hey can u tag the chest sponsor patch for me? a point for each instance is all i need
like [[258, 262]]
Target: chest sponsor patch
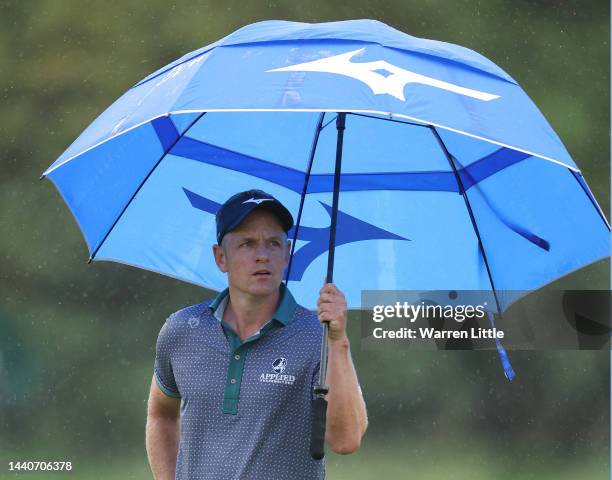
[[278, 374]]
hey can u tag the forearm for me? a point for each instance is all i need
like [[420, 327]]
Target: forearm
[[162, 439], [346, 412]]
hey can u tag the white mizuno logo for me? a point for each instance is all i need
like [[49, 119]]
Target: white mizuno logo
[[366, 72], [257, 200]]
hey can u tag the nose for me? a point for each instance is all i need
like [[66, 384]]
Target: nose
[[261, 254]]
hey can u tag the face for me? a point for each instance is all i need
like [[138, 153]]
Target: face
[[255, 254]]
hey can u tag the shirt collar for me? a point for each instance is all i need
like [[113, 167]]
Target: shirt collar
[[284, 312]]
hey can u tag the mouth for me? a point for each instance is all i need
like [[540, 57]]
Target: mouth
[[262, 273]]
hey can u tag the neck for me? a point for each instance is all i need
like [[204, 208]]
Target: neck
[[246, 314]]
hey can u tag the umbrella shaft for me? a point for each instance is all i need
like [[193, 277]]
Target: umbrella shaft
[[340, 125], [317, 436]]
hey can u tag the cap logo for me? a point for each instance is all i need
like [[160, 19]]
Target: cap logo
[[257, 200]]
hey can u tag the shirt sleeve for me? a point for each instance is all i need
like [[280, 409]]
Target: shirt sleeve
[[164, 374]]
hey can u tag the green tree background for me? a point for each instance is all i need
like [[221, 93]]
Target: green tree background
[[77, 341]]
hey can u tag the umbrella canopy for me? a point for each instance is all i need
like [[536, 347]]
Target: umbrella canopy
[[451, 177]]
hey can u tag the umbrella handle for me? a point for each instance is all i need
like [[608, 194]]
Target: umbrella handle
[[319, 404], [319, 417]]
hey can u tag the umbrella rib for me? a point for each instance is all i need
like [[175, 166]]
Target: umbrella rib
[[462, 191], [503, 356], [587, 191], [313, 148], [328, 122], [166, 151]]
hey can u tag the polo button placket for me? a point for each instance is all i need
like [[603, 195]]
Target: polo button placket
[[238, 349], [234, 378]]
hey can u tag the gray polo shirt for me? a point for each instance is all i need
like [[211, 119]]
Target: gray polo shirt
[[245, 406]]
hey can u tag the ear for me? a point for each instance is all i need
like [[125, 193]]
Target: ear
[[220, 258]]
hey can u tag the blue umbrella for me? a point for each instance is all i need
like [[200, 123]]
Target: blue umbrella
[[447, 175]]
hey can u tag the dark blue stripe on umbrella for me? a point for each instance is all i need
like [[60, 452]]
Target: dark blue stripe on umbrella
[[502, 158], [202, 203], [489, 165], [294, 179], [350, 182], [220, 157], [166, 132], [349, 229]]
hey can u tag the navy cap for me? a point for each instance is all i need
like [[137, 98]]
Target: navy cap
[[238, 206]]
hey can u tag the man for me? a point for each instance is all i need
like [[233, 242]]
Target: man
[[231, 393]]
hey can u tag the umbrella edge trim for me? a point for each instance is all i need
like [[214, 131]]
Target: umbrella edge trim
[[377, 112], [152, 270]]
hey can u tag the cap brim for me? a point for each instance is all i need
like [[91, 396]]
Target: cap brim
[[277, 208]]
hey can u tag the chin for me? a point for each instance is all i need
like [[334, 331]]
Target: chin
[[265, 288]]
